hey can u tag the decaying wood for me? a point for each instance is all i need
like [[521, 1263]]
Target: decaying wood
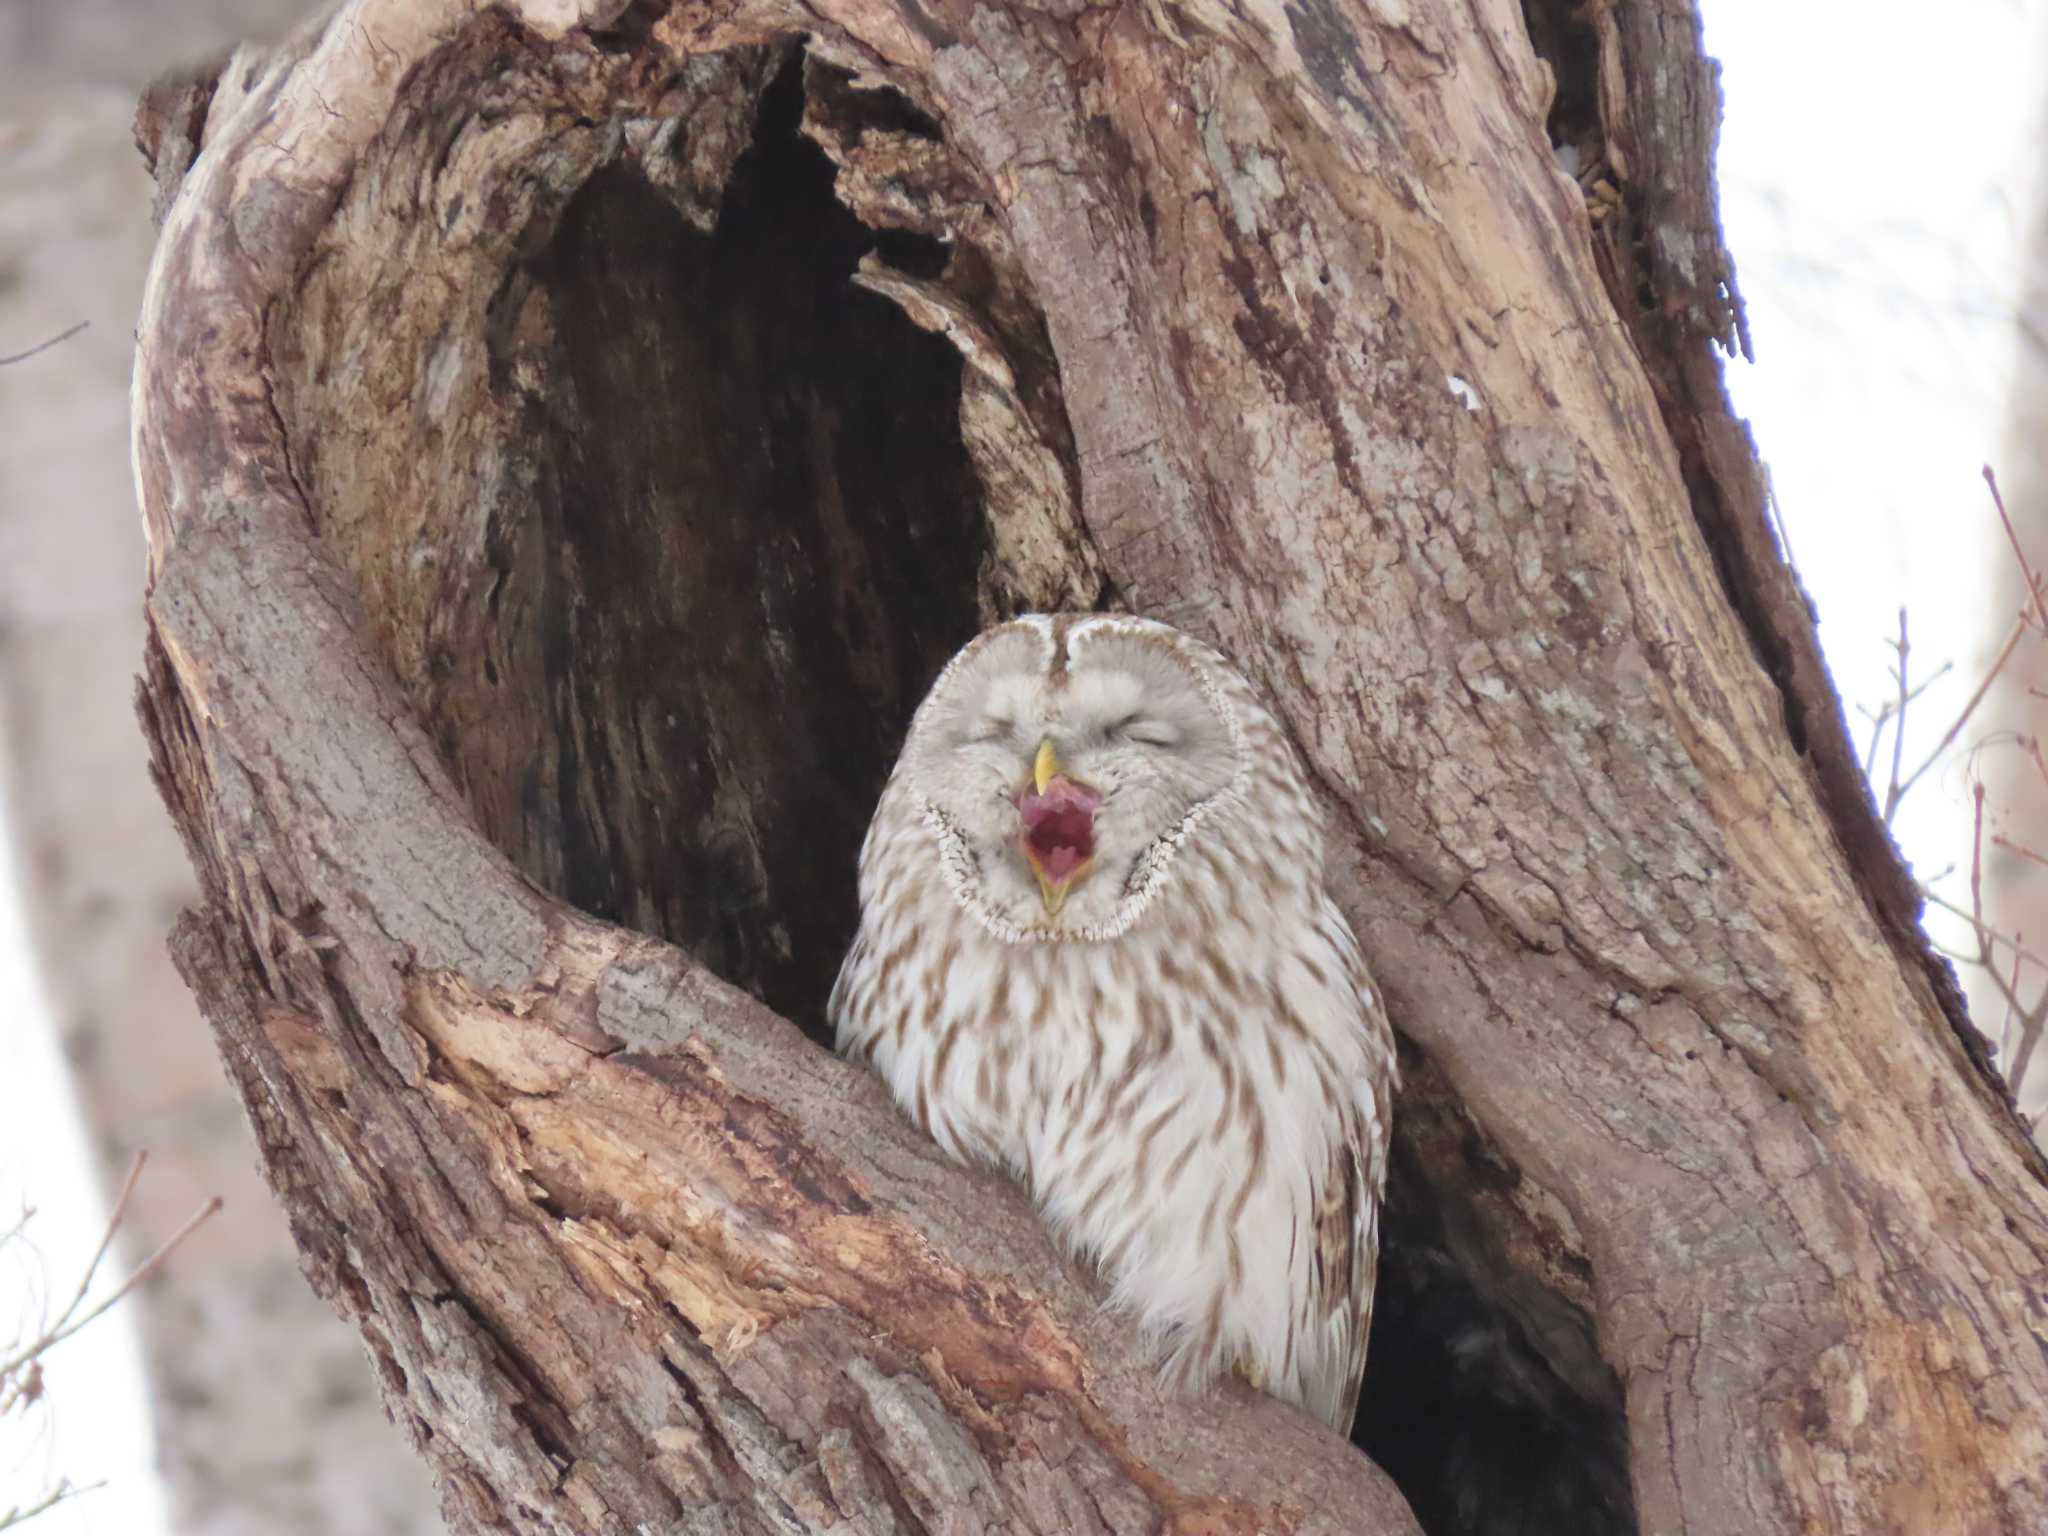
[[570, 437]]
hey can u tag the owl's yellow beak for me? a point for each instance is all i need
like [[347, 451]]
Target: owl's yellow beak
[[1059, 828]]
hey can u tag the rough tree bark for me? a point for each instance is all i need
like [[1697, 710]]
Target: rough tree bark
[[571, 435]]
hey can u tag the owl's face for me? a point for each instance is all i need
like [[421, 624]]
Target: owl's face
[[1062, 763]]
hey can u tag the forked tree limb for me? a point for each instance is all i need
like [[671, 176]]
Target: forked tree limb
[[1282, 324]]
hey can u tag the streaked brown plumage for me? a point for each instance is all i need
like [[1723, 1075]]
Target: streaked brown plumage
[[1096, 948]]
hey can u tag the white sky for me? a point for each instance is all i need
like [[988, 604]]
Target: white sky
[[1877, 206], [95, 1427], [1875, 174]]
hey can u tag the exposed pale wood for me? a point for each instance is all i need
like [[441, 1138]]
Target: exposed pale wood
[[1281, 324]]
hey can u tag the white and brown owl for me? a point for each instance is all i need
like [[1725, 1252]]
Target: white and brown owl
[[1095, 948]]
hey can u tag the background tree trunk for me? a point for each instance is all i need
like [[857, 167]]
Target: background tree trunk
[[2015, 883], [267, 1418], [571, 437]]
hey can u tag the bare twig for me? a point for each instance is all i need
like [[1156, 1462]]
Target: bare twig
[[1893, 710], [10, 1366], [2022, 1028], [2005, 1024], [2018, 552], [2005, 651], [2031, 1027], [2010, 943], [1930, 680], [1893, 794], [2032, 1021], [1977, 862], [114, 1216], [21, 1369], [2000, 840], [1778, 519], [43, 346], [64, 1489], [67, 1326]]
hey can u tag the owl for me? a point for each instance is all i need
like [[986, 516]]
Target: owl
[[1095, 949]]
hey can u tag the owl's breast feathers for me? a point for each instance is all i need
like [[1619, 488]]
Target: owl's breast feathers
[[1199, 1105]]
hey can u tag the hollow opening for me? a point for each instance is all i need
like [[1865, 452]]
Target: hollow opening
[[1565, 38], [720, 529], [1485, 1396], [762, 535]]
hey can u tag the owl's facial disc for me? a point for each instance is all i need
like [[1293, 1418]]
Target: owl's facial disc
[[1057, 838], [1059, 765]]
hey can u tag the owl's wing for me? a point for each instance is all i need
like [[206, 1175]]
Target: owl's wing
[[1347, 1256], [1347, 1204]]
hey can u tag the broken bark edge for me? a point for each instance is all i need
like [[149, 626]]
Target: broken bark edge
[[1669, 273]]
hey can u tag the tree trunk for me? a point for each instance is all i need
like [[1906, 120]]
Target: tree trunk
[[570, 438]]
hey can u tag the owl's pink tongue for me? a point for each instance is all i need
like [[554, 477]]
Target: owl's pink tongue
[[1059, 827]]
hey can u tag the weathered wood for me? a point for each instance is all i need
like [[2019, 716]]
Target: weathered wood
[[558, 500]]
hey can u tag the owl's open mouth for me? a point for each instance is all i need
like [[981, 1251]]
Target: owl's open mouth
[[1059, 828]]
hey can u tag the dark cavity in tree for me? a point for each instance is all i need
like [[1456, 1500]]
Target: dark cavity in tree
[[1565, 39], [767, 534], [1485, 1396]]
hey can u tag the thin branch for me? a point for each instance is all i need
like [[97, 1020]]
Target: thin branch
[[49, 1501], [1877, 723], [13, 1384], [2011, 1016], [1977, 860], [1930, 680], [1984, 932], [143, 1271], [44, 346], [2018, 552], [22, 1369], [2032, 1022], [1894, 794], [2005, 651], [1880, 718], [99, 1254], [66, 1323], [2031, 1027], [2000, 840], [1778, 519]]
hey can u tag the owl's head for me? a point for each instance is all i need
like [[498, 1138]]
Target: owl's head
[[1063, 762]]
